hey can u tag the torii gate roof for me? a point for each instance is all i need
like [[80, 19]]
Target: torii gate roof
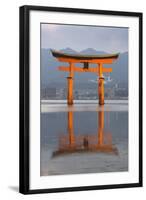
[[60, 54]]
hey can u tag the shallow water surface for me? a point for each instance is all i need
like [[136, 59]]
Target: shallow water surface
[[88, 141]]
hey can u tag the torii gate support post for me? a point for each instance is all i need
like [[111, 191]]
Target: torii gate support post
[[70, 85], [101, 86]]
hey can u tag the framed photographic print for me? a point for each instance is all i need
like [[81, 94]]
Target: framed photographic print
[[80, 99]]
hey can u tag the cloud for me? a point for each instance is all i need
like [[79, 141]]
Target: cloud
[[49, 27], [77, 37]]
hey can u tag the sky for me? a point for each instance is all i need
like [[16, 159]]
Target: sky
[[76, 37]]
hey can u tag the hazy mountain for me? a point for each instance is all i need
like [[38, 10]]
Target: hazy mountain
[[91, 51], [54, 78], [68, 50]]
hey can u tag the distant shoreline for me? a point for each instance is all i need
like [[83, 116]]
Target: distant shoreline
[[44, 101], [79, 105]]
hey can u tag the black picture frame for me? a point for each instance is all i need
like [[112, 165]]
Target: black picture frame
[[24, 147]]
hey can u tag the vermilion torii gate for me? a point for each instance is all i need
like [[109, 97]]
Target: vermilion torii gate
[[85, 59]]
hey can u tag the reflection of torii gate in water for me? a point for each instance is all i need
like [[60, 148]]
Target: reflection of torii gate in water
[[99, 142], [85, 59]]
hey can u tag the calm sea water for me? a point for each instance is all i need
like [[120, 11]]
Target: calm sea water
[[107, 130]]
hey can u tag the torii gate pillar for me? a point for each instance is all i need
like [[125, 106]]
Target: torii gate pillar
[[70, 85], [101, 86], [70, 90], [101, 90]]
